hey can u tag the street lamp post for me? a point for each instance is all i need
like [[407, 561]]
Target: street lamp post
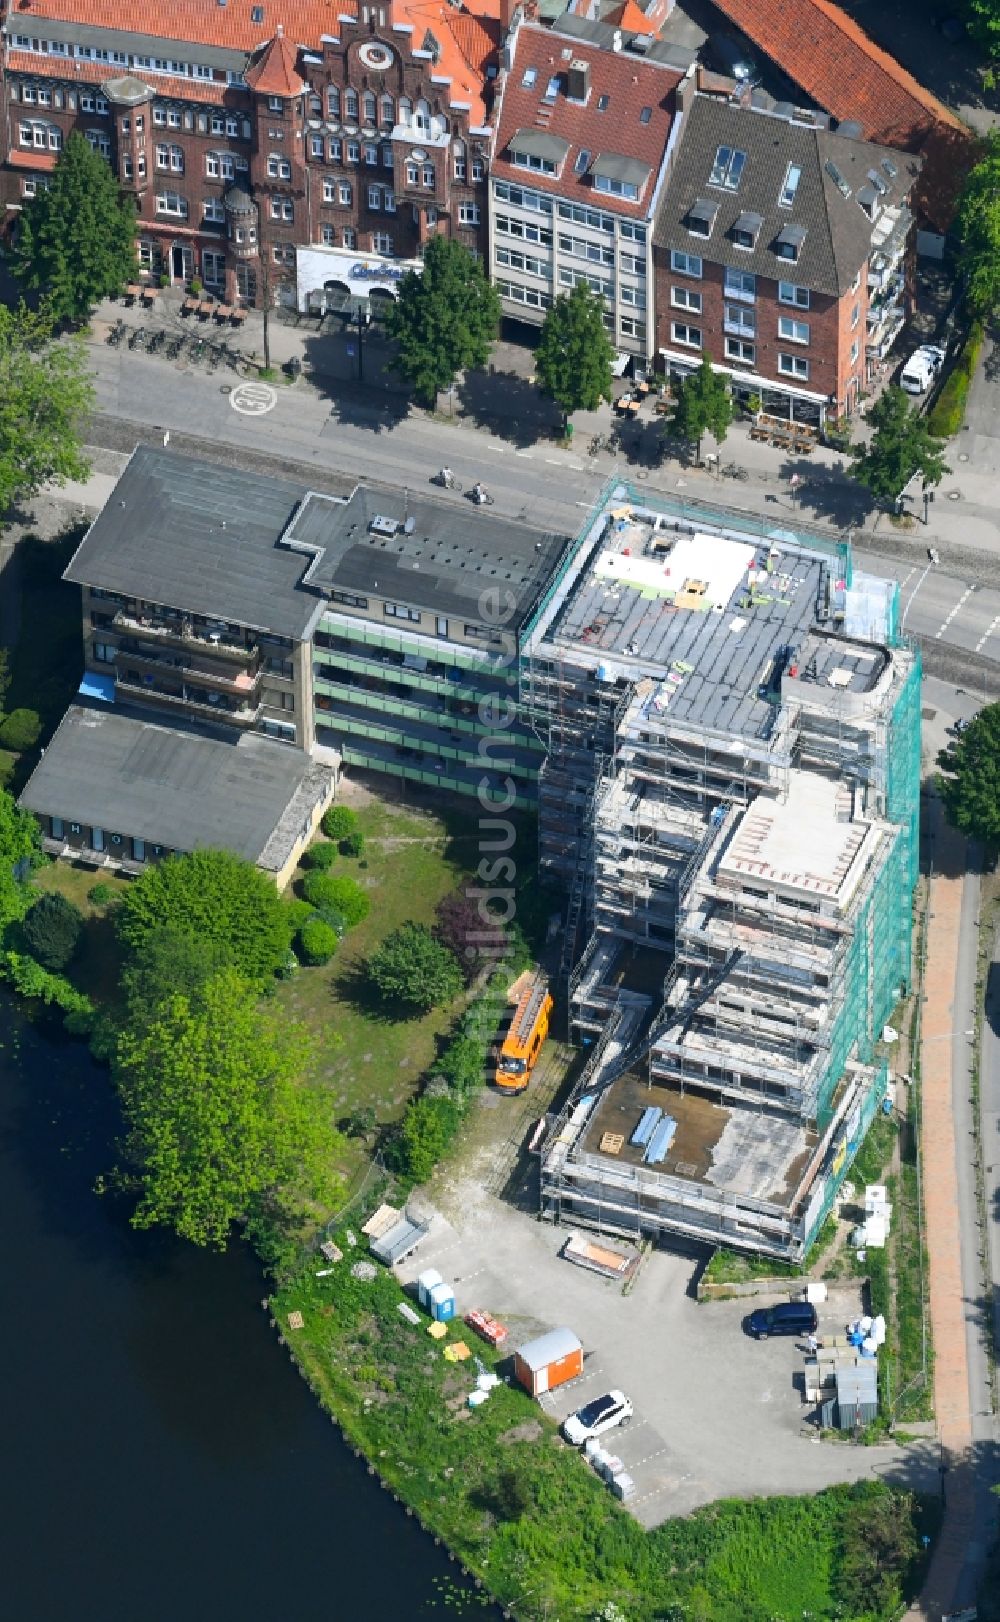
[[928, 498]]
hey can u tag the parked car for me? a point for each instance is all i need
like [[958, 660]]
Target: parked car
[[729, 56], [787, 1318], [921, 369], [603, 1414]]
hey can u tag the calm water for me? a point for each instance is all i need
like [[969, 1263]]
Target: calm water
[[160, 1457]]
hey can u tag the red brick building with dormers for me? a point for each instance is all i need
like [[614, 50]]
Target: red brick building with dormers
[[245, 130]]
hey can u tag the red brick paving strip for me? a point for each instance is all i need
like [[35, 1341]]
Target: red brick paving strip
[[940, 1190]]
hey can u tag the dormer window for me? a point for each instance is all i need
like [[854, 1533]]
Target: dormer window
[[701, 217], [538, 150], [746, 230], [727, 168], [788, 242]]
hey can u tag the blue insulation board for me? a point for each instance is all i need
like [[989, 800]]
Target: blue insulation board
[[647, 1126], [660, 1141]]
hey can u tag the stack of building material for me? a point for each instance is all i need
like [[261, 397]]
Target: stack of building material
[[648, 1122], [658, 1145]]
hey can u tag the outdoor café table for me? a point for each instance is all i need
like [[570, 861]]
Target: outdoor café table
[[206, 308], [223, 312], [133, 291], [149, 294], [191, 306], [238, 317]]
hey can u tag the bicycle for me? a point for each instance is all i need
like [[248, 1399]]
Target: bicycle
[[734, 471], [137, 338]]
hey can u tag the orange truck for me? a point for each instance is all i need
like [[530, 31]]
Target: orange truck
[[523, 1042]]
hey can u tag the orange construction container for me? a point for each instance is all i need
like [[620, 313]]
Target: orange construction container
[[551, 1360]]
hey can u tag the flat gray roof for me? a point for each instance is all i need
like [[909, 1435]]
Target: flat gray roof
[[202, 538], [168, 786], [443, 556]]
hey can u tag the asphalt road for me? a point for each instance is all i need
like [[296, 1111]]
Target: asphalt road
[[955, 618]]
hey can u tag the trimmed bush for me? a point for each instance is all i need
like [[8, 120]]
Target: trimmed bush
[[100, 894], [339, 821], [52, 931], [298, 912], [343, 895], [320, 856], [414, 969], [335, 919], [948, 411], [20, 730], [317, 941], [353, 845]]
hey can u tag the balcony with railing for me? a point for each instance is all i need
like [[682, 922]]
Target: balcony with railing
[[239, 683], [178, 630], [197, 701]]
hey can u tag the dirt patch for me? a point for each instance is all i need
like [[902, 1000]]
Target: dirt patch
[[530, 1431]]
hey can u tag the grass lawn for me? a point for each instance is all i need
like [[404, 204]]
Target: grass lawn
[[367, 1057]]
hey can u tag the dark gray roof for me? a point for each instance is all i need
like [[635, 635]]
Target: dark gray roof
[[129, 40], [435, 555], [202, 538], [838, 232], [614, 166], [165, 785]]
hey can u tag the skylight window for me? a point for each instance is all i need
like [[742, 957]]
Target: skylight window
[[645, 115], [890, 168], [727, 168], [582, 160], [602, 103], [878, 182], [552, 88], [257, 14], [837, 178], [530, 75], [793, 174]]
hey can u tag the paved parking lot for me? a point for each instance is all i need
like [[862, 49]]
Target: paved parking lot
[[716, 1414]]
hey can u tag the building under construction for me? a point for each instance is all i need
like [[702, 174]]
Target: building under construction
[[731, 725]]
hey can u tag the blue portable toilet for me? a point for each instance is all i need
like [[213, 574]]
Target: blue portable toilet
[[441, 1301]]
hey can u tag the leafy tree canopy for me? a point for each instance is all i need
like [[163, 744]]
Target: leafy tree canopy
[[984, 24], [172, 963], [216, 896], [900, 447], [52, 930], [44, 396], [970, 780], [77, 238], [574, 355], [703, 404], [338, 822], [414, 969], [343, 895], [444, 320], [428, 1128], [20, 851], [473, 939], [219, 1127], [978, 225]]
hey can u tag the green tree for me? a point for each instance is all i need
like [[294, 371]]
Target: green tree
[[511, 1494], [412, 968], [216, 896], [19, 730], [574, 354], [444, 320], [984, 24], [20, 851], [878, 1548], [970, 780], [77, 237], [338, 822], [428, 1127], [703, 404], [171, 963], [45, 395], [978, 226], [219, 1126], [901, 446], [342, 895], [322, 855], [52, 930]]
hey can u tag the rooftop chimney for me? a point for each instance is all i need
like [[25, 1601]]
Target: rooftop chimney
[[578, 79]]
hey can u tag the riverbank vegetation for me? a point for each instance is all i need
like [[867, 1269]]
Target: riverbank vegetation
[[562, 1546]]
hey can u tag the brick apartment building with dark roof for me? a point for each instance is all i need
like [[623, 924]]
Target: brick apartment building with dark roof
[[781, 252], [245, 130]]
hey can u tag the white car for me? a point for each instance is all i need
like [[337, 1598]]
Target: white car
[[603, 1414], [921, 369]]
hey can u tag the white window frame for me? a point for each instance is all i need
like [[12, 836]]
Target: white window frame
[[796, 366], [686, 298], [681, 332], [792, 331], [739, 350], [790, 293], [683, 264]]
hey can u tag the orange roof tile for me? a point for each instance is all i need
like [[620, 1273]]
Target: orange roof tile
[[834, 61], [632, 19], [274, 72], [58, 67]]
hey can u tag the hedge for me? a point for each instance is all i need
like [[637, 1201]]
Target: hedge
[[948, 411]]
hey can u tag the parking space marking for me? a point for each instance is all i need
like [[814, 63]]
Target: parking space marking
[[501, 450], [988, 632], [529, 454], [658, 1454], [967, 593]]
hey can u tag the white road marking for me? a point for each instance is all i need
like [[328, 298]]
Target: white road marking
[[528, 454], [658, 1454], [965, 595], [902, 583], [253, 399], [988, 632]]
